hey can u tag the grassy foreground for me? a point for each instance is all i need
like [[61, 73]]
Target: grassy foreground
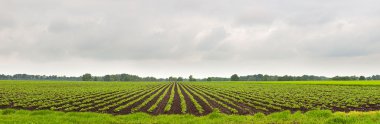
[[11, 116]]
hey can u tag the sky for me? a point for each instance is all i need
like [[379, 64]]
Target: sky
[[204, 38]]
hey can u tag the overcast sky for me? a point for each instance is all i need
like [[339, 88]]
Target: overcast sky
[[181, 37]]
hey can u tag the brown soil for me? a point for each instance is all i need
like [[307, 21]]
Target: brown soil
[[207, 109], [161, 106], [126, 96], [129, 108], [240, 110], [154, 100], [176, 107], [190, 105], [254, 110], [213, 103]]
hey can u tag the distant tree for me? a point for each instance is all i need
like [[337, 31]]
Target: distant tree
[[115, 78], [375, 77], [107, 78], [209, 79], [87, 77], [344, 78], [179, 79], [259, 77], [361, 78], [149, 79], [234, 77], [191, 78], [172, 78], [124, 77], [129, 77]]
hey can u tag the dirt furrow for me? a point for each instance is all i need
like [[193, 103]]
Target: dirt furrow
[[213, 103], [240, 110], [176, 106], [129, 108], [207, 109], [190, 105], [154, 100], [77, 100], [126, 96], [161, 106], [252, 108]]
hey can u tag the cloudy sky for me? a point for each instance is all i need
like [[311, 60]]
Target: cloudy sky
[[181, 37]]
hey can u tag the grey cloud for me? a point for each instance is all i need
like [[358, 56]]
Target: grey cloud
[[212, 39], [6, 21], [188, 31]]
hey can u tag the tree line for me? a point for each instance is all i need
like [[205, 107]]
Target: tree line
[[37, 77], [117, 77], [262, 77], [234, 77]]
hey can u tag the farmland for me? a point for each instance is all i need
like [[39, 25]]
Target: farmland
[[196, 98]]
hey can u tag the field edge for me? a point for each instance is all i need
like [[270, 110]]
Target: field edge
[[314, 116]]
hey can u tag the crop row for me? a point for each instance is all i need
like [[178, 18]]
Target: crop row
[[198, 98]]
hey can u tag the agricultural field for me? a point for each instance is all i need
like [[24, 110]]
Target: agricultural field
[[196, 98]]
